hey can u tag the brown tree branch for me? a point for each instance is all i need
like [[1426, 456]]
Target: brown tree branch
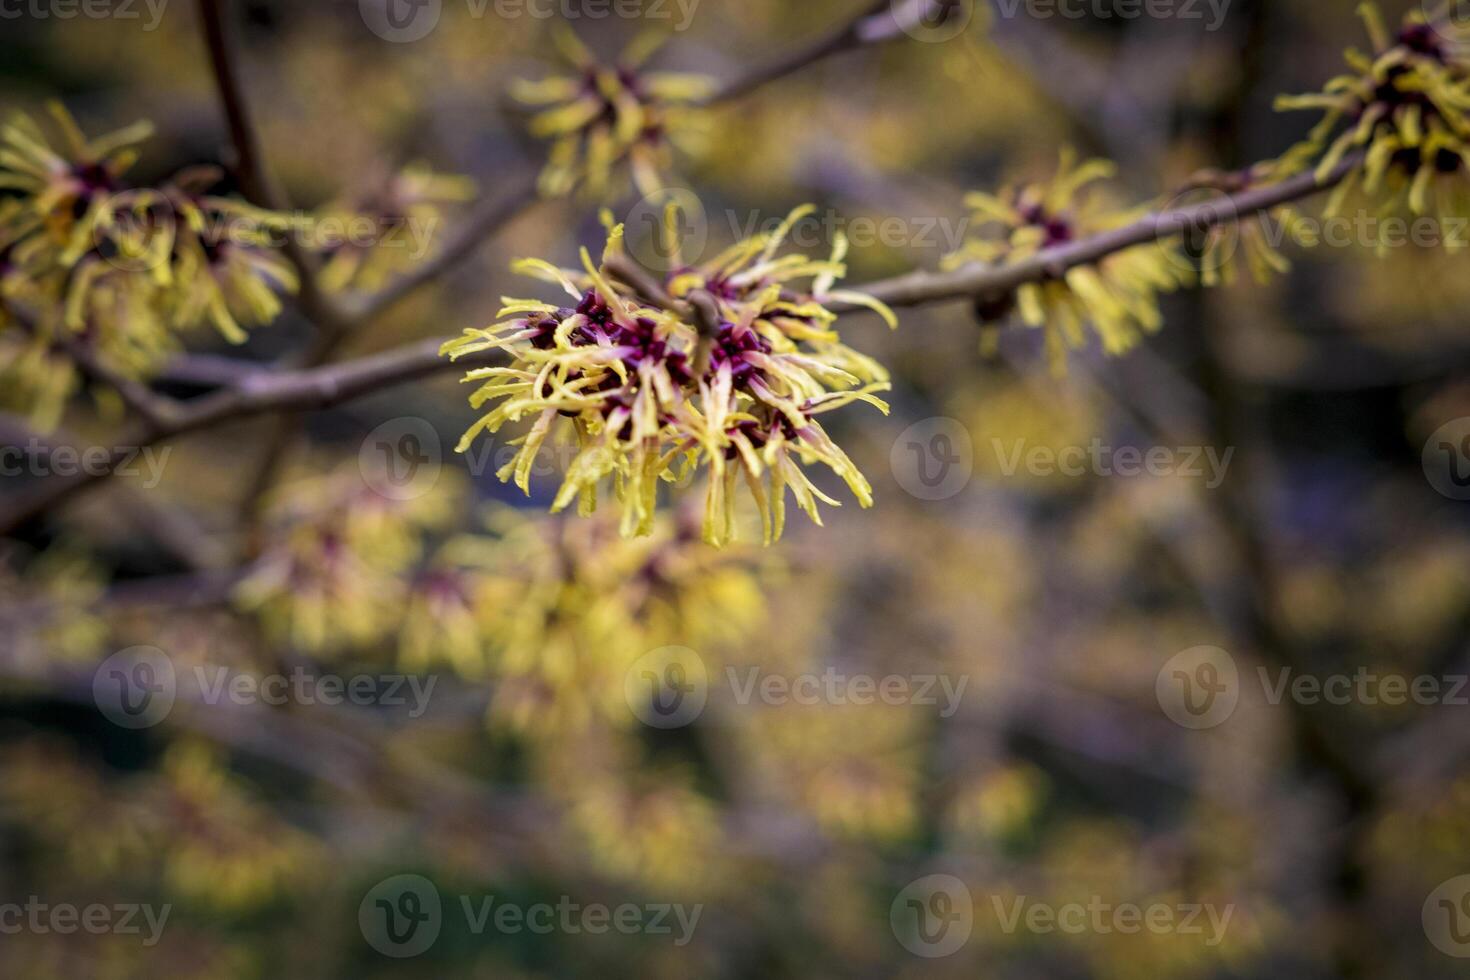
[[261, 393], [885, 20], [922, 288]]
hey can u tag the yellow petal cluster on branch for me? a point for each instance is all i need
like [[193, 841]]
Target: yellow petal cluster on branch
[[608, 114], [122, 270], [726, 370], [1117, 295], [1406, 107]]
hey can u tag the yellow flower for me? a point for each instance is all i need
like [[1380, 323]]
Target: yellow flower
[[50, 605], [607, 114], [331, 575], [1406, 107], [1117, 295], [123, 271], [726, 370], [555, 612]]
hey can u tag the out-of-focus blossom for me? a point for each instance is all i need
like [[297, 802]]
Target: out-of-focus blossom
[[119, 270], [223, 848], [331, 575], [389, 228], [727, 371], [1117, 295], [1406, 108], [48, 610], [607, 114], [555, 612]]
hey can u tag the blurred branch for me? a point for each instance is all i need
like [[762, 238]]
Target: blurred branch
[[171, 527], [250, 166], [487, 217], [256, 394], [921, 288], [885, 20], [322, 387]]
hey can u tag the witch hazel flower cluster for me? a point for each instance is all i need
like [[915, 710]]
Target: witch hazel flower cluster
[[723, 368]]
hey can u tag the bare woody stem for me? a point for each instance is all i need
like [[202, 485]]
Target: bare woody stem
[[259, 393], [250, 167], [922, 288], [885, 20]]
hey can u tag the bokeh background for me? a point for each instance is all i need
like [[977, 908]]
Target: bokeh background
[[1058, 599]]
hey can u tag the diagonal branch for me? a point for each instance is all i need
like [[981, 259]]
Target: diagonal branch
[[885, 20], [922, 288], [259, 393]]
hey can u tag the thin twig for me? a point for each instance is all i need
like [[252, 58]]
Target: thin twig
[[250, 166], [322, 387], [256, 394], [922, 288], [885, 20]]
